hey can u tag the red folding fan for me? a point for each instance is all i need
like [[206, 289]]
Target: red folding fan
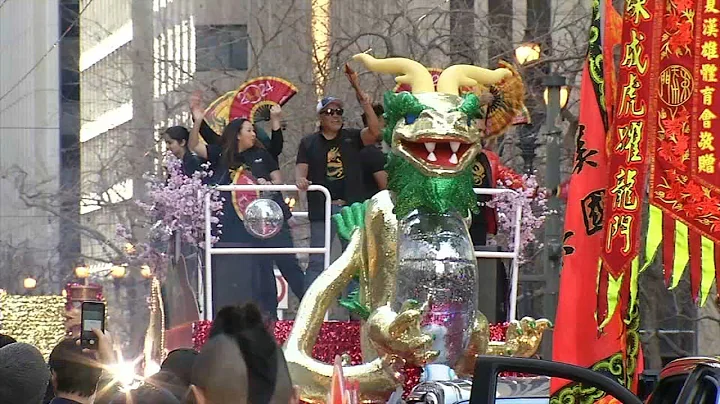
[[255, 97], [252, 100]]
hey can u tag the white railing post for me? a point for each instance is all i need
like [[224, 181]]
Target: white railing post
[[515, 254]]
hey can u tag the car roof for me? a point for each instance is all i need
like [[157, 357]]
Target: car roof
[[685, 366]]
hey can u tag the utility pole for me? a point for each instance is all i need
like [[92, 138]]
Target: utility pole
[[553, 225]]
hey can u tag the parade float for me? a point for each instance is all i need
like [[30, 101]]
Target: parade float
[[409, 246]]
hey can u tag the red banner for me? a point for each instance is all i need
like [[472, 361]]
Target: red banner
[[615, 351], [628, 162], [686, 175], [685, 178]]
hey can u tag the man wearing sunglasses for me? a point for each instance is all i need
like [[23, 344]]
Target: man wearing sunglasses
[[331, 157]]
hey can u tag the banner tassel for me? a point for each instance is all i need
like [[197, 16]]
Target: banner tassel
[[708, 268], [682, 254]]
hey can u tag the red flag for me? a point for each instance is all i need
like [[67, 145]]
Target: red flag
[[576, 339], [616, 350]]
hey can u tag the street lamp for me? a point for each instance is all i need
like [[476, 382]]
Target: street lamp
[[553, 227], [527, 52], [118, 271], [29, 283], [527, 142], [145, 271], [82, 272], [564, 96]]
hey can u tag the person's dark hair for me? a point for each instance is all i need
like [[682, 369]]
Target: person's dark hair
[[74, 371], [267, 370], [178, 133], [220, 372], [180, 362], [171, 383], [146, 394], [6, 340], [23, 374], [379, 110], [228, 140]]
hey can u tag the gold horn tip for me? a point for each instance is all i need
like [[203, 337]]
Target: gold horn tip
[[505, 72], [363, 57]]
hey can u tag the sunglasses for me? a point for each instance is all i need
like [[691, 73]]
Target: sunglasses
[[333, 111]]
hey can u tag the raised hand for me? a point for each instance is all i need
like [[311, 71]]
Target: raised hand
[[275, 112], [196, 104], [352, 77]]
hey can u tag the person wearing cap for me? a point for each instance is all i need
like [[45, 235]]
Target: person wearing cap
[[331, 157]]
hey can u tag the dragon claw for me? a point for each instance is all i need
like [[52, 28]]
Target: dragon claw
[[350, 218]]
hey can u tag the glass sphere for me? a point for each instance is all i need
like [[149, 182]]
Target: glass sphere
[[263, 218]]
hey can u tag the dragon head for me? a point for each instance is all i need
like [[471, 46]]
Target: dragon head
[[432, 134], [431, 129]]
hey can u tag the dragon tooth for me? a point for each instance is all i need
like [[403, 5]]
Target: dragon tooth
[[453, 159], [430, 147], [431, 157], [454, 146]]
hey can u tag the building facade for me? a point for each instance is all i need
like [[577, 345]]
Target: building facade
[[38, 145]]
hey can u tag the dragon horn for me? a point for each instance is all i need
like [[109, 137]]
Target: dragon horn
[[411, 72], [452, 78]]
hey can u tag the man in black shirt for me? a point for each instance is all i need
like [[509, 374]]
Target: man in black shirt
[[331, 157], [373, 159]]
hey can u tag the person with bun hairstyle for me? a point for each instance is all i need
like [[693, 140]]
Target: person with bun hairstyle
[[267, 371], [176, 139]]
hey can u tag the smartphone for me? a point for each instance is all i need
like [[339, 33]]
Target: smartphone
[[92, 317]]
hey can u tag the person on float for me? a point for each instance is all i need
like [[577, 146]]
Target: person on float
[[176, 140], [250, 277], [331, 157], [373, 159]]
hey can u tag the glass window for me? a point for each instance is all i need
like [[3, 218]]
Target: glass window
[[668, 390], [221, 47]]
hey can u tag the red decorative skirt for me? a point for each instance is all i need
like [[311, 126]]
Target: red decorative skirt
[[335, 338]]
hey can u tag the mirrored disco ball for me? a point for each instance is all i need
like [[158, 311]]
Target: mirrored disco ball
[[263, 218]]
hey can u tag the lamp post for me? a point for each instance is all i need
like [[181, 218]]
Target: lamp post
[[553, 227], [527, 143]]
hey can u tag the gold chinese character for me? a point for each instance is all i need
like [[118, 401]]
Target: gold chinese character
[[620, 225], [707, 94], [710, 27], [706, 141], [676, 85], [709, 73], [709, 50], [710, 7], [636, 9], [628, 101], [707, 117], [630, 137], [624, 190], [706, 163], [633, 52]]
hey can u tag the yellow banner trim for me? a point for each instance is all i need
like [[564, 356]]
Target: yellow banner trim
[[708, 269], [654, 236], [597, 285], [613, 297], [634, 275], [682, 253]]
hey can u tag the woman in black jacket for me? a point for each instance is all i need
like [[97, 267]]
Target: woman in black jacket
[[237, 151]]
